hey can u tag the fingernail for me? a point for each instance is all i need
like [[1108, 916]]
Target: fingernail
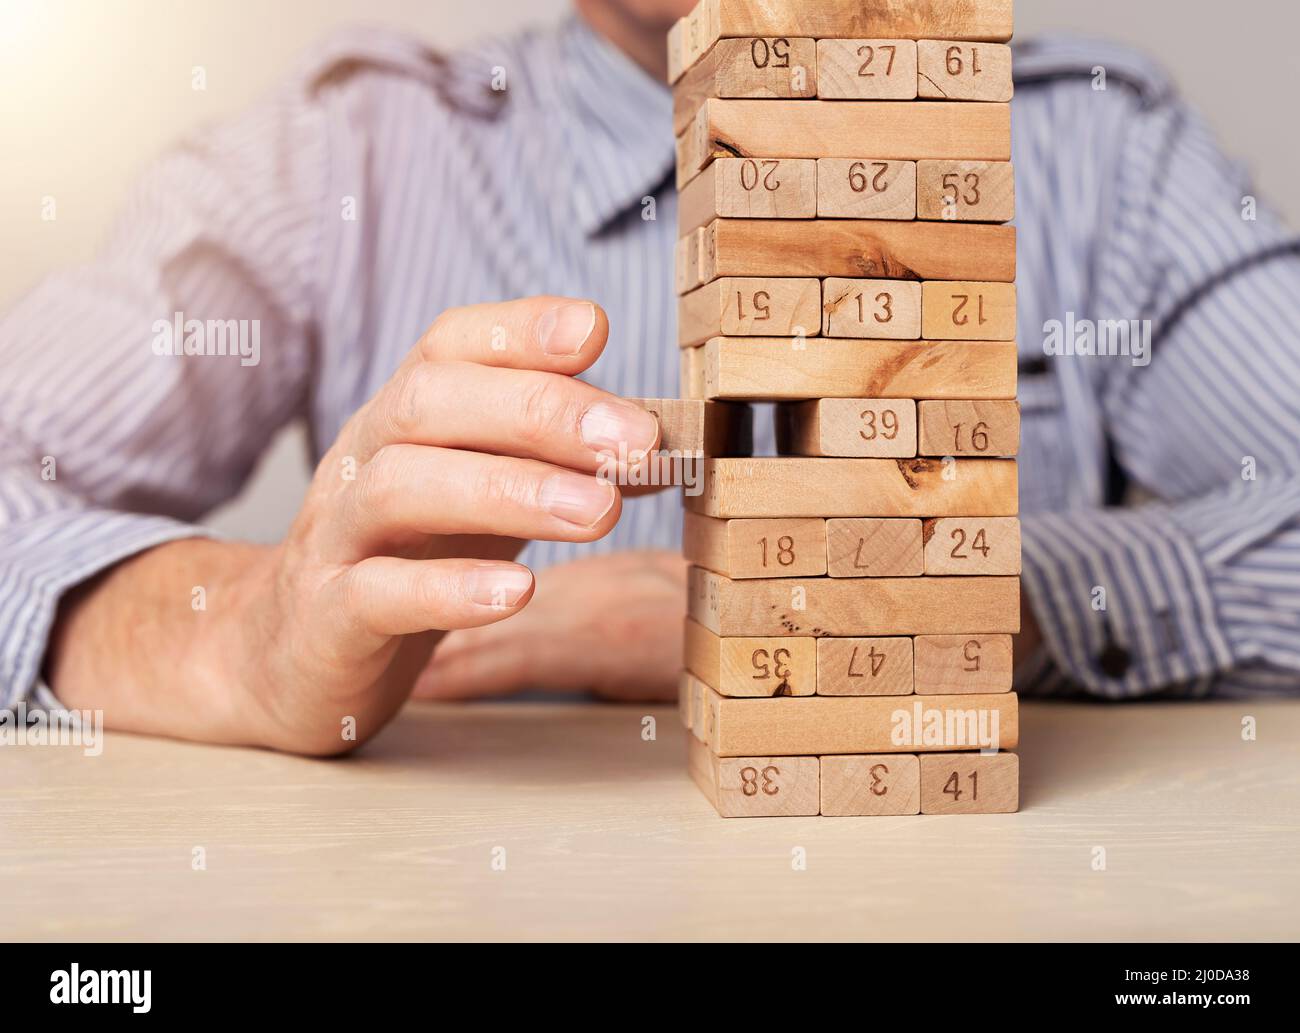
[[619, 429], [577, 499], [499, 587], [564, 329]]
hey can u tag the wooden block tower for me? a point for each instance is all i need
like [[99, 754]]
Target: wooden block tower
[[844, 176]]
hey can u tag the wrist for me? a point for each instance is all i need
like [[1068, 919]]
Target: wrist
[[154, 642], [234, 666]]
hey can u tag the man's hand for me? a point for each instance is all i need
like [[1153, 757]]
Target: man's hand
[[611, 625], [481, 438]]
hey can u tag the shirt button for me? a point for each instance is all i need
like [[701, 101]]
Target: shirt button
[[1114, 661]]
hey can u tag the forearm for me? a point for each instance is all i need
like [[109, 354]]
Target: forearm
[[154, 643], [1187, 598]]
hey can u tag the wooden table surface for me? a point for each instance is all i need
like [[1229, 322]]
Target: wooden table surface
[[604, 837]]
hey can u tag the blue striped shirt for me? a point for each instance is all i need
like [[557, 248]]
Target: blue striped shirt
[[385, 183]]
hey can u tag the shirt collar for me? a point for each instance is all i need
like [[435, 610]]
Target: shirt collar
[[618, 126]]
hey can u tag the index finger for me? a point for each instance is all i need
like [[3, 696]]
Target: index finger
[[558, 335]]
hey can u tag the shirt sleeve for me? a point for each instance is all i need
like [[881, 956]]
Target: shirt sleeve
[[140, 389], [1198, 590]]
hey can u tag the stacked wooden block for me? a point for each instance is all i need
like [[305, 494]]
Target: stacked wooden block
[[844, 173]]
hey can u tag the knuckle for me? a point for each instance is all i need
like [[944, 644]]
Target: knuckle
[[545, 412], [429, 344], [409, 400], [504, 485], [381, 477], [354, 590]]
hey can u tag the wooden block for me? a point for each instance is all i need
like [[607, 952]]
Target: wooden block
[[692, 427], [825, 725], [692, 373], [702, 28], [952, 70], [984, 20], [698, 702], [872, 310], [905, 130], [684, 699], [989, 20], [756, 548], [757, 787], [767, 68], [874, 547], [774, 368], [951, 664], [676, 50], [752, 306], [687, 265], [858, 248], [966, 191], [968, 311], [972, 545], [866, 69], [868, 606], [871, 785], [970, 783], [750, 666], [864, 188], [749, 188], [968, 428], [789, 487], [861, 427], [864, 666]]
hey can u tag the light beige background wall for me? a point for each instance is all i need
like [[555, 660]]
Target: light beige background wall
[[90, 89]]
